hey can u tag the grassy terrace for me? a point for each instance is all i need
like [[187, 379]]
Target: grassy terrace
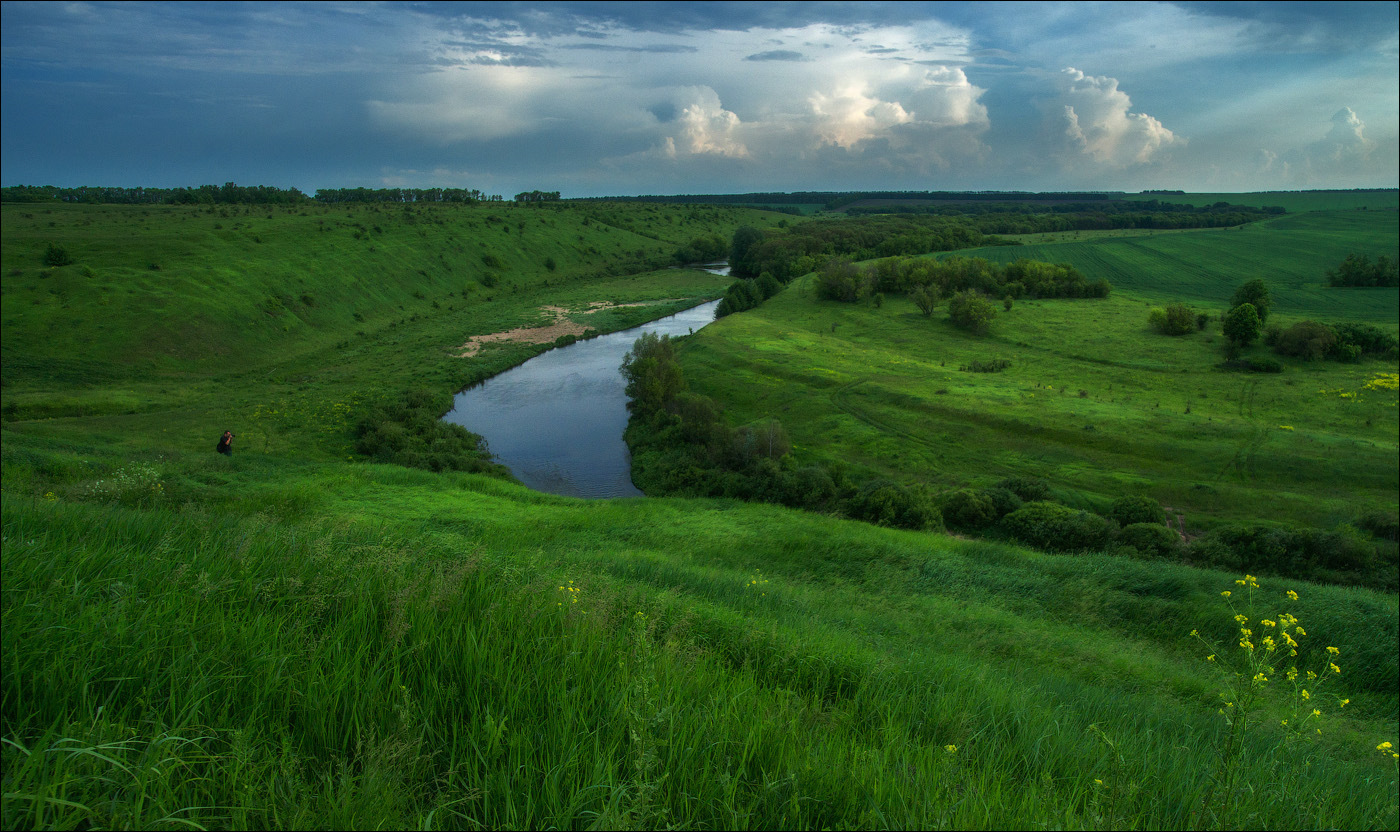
[[291, 639]]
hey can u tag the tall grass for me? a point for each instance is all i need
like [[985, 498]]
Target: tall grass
[[223, 669]]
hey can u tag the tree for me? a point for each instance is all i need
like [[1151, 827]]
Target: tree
[[971, 311], [746, 239], [926, 298], [653, 376], [1242, 325], [1256, 294]]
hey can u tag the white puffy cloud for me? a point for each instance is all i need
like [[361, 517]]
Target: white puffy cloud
[[706, 127], [1093, 119]]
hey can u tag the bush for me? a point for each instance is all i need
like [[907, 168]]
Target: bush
[[56, 256], [1360, 271], [967, 510], [1003, 500], [1176, 319], [972, 312], [1129, 510], [887, 503], [1296, 553], [1308, 340], [411, 433], [994, 365], [1057, 528], [1028, 489], [1152, 539]]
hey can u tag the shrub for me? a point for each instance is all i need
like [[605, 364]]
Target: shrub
[[411, 433], [887, 503], [1057, 528], [967, 510], [972, 312], [1130, 510], [1308, 340], [1152, 539], [1360, 271], [491, 261], [994, 365], [1296, 553], [1382, 524], [1028, 489], [56, 256], [1263, 365], [1003, 500], [1176, 319]]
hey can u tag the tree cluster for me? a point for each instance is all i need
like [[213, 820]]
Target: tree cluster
[[1359, 271], [841, 280]]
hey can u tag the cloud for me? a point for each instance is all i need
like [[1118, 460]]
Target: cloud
[[777, 55], [1092, 119], [706, 127], [1345, 142]]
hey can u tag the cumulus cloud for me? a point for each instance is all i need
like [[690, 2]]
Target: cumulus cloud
[[1094, 120], [1344, 155], [848, 115], [706, 127]]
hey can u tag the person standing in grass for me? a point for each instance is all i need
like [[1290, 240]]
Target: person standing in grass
[[225, 445]]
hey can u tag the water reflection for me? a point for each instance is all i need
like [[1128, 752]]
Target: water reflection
[[557, 420]]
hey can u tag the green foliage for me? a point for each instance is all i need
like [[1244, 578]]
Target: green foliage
[[705, 249], [1340, 556], [992, 365], [1308, 340], [839, 279], [1151, 539], [56, 256], [1359, 271], [410, 432], [1026, 489], [926, 298], [742, 295], [967, 510], [743, 261], [1175, 319], [1254, 293], [1136, 509], [887, 503], [971, 311], [1057, 528], [654, 379], [1242, 325]]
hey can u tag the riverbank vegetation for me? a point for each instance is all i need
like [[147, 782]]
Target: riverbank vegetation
[[302, 636]]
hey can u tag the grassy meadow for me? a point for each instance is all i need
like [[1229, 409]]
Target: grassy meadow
[[1094, 400], [294, 637]]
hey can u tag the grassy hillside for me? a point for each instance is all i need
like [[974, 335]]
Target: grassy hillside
[[341, 646], [288, 638], [1093, 400], [287, 323]]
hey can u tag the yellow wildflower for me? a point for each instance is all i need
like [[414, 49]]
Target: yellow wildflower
[[1292, 596], [1334, 651], [951, 749]]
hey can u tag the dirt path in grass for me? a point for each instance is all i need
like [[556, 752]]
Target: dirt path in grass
[[563, 325]]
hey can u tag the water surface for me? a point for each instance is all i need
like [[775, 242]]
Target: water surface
[[556, 421]]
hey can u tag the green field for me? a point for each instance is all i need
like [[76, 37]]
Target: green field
[[1291, 201], [1094, 401], [295, 637]]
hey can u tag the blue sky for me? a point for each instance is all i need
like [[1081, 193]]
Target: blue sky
[[625, 98]]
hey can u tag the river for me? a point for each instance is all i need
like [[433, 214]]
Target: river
[[556, 421]]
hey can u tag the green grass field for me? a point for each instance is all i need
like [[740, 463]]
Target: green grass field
[[291, 639], [1094, 401]]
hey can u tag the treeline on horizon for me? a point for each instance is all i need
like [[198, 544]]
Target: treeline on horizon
[[1100, 215], [232, 194]]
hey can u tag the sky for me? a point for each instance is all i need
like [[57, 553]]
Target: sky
[[601, 98]]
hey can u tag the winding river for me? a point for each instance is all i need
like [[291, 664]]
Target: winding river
[[556, 421]]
